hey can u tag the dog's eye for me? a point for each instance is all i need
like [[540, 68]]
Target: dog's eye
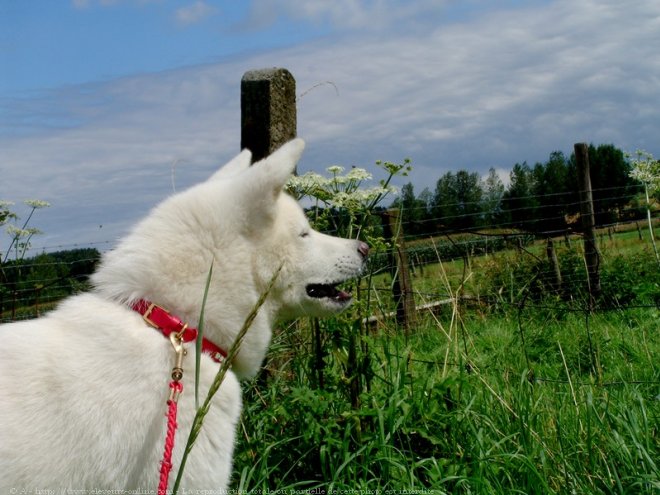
[[304, 233]]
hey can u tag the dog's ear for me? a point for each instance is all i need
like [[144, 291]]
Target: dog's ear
[[266, 178], [278, 167], [261, 184], [234, 167]]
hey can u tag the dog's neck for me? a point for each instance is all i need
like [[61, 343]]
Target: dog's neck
[[161, 319]]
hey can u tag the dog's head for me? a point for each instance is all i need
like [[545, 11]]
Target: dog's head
[[277, 232], [242, 224]]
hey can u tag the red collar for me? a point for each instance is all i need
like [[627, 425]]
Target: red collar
[[166, 322]]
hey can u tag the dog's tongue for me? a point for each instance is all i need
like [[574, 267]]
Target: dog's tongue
[[342, 296], [327, 290]]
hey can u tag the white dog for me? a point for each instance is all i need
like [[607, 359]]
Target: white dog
[[83, 390]]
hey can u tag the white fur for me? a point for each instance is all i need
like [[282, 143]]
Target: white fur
[[83, 390]]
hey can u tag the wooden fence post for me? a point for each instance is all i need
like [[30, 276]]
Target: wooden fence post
[[402, 290], [591, 255], [268, 110]]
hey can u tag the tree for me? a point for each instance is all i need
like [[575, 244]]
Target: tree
[[611, 183], [457, 200], [493, 195], [444, 200], [519, 201], [412, 210], [468, 195], [553, 193], [425, 201]]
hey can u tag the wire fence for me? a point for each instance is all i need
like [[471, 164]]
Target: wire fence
[[537, 274], [484, 268]]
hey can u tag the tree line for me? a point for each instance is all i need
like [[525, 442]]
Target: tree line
[[542, 199], [47, 277]]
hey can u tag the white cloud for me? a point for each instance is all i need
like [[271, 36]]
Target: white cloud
[[194, 13], [487, 92], [348, 14]]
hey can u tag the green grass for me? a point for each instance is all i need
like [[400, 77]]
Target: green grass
[[437, 418], [489, 398]]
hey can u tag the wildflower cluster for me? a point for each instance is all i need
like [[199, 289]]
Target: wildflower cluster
[[19, 236], [5, 213], [341, 203], [645, 169]]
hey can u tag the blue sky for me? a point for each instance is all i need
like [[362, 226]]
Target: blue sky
[[47, 44], [104, 104]]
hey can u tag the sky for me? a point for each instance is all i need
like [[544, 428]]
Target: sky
[[108, 106]]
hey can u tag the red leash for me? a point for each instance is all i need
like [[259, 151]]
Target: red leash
[[166, 463], [176, 387], [178, 333]]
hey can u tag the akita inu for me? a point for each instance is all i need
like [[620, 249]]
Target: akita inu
[[83, 390]]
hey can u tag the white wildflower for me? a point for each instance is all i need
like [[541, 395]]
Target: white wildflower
[[310, 180], [340, 200], [359, 174], [335, 169], [645, 169], [19, 233], [36, 203], [5, 213]]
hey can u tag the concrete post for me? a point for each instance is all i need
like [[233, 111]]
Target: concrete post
[[268, 110]]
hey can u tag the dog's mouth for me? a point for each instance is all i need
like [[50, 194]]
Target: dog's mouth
[[328, 291]]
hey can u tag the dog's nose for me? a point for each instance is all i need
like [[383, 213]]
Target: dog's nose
[[363, 249]]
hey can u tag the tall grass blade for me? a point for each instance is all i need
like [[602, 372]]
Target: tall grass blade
[[198, 421], [200, 335]]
